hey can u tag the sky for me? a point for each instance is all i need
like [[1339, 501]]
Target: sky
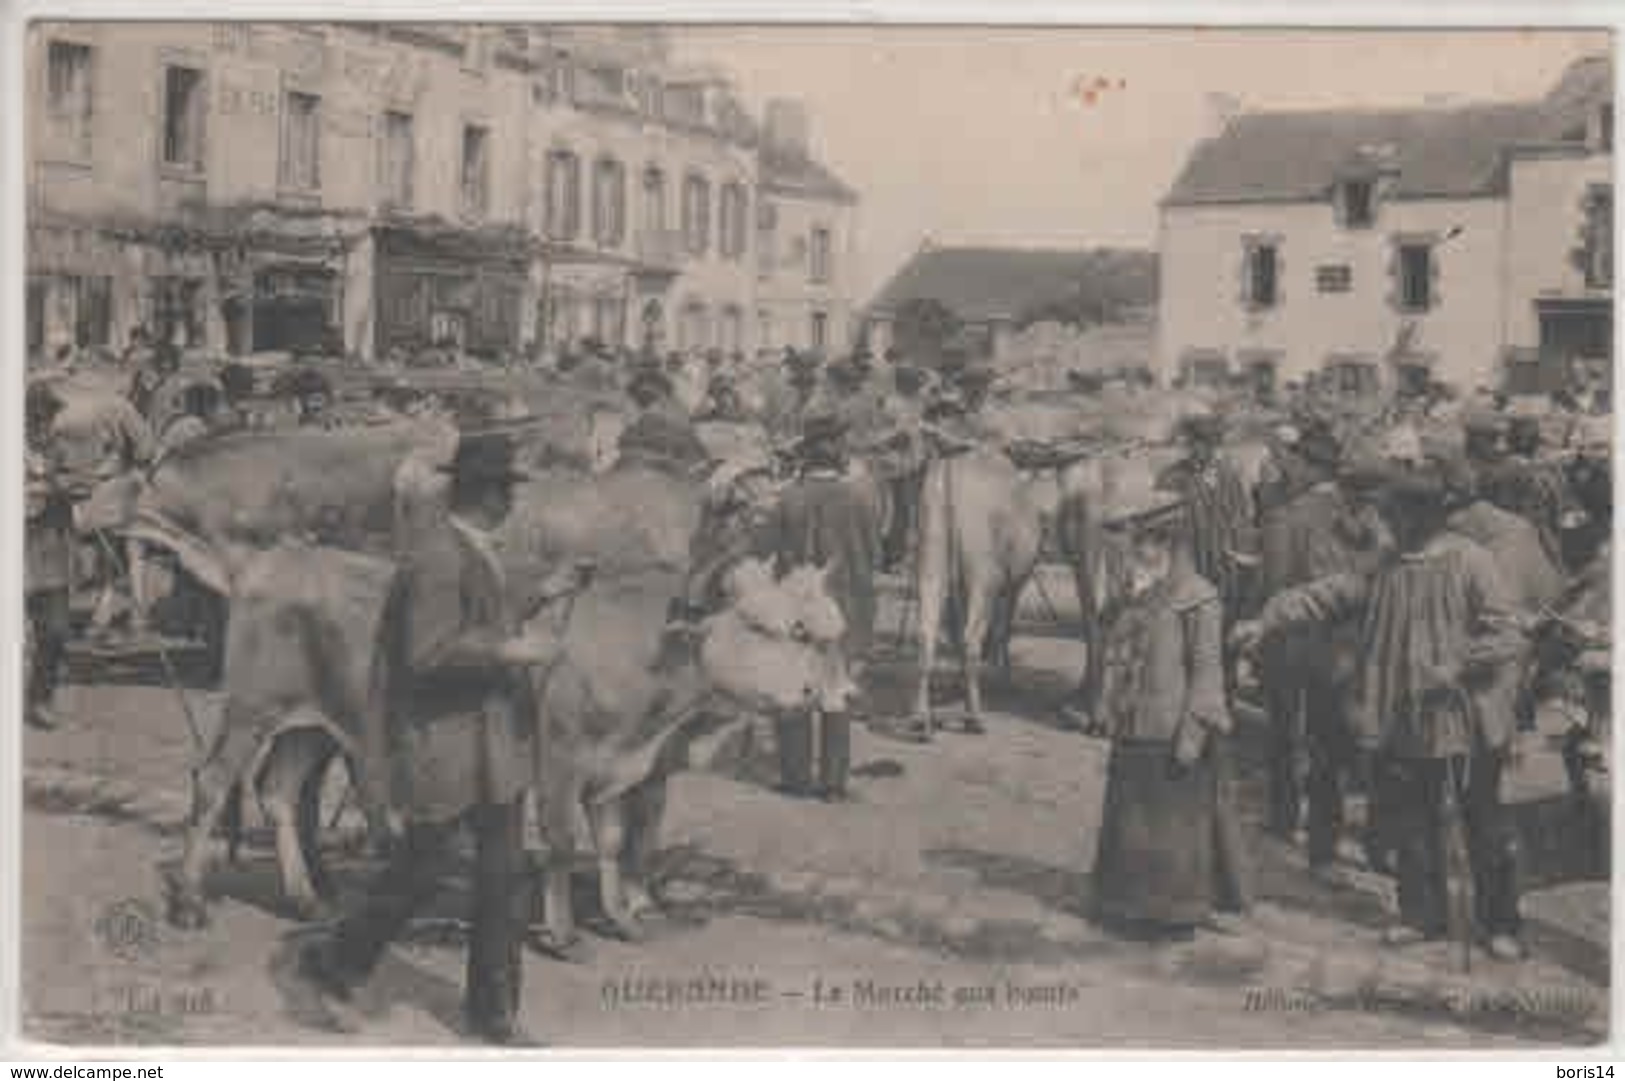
[[971, 135]]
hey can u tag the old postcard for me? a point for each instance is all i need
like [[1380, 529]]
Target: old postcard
[[585, 536]]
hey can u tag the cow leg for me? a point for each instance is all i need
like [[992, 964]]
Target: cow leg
[[231, 821], [557, 807], [930, 588], [290, 779], [310, 821], [1087, 697], [183, 888], [608, 821], [646, 812], [979, 604]]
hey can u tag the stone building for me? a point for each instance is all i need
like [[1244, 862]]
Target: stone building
[[1472, 244], [373, 187]]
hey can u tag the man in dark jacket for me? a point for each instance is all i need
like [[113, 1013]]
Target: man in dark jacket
[[824, 521], [459, 751], [1531, 487], [1439, 629], [1220, 513], [48, 545], [1316, 532]]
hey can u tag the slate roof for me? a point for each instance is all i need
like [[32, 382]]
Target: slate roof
[[1432, 152], [981, 284], [795, 174]]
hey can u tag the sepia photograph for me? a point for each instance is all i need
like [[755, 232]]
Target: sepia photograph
[[587, 536]]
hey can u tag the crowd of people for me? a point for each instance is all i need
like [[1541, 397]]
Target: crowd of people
[[1376, 590]]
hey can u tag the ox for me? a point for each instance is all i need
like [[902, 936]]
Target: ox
[[977, 545], [618, 709]]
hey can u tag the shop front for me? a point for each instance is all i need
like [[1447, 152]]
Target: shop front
[[450, 288]]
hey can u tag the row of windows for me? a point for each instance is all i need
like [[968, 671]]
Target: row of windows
[[567, 317], [609, 206], [300, 165], [1415, 270]]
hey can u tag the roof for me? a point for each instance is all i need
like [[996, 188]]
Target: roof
[[1432, 152], [795, 174], [982, 284]]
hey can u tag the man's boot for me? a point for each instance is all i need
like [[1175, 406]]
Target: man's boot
[[835, 755], [793, 731]]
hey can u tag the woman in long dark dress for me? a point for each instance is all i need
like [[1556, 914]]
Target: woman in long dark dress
[[1165, 862]]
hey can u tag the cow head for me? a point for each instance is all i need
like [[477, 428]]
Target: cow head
[[776, 643]]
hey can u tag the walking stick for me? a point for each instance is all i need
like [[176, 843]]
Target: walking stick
[[1458, 860], [1458, 867], [170, 675]]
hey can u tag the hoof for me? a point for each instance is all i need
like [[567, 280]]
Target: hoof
[[310, 909], [187, 910], [570, 948], [625, 927]]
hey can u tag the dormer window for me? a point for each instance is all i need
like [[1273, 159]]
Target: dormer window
[[1357, 203]]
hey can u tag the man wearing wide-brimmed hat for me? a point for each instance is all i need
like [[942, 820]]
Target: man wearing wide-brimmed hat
[[823, 520], [1220, 512], [457, 749], [1531, 487], [1439, 629], [1166, 860], [1318, 530]]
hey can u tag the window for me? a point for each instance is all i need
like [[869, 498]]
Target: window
[[476, 170], [819, 337], [819, 256], [1598, 254], [1415, 277], [396, 160], [1204, 367], [1333, 278], [301, 166], [731, 238], [654, 202], [693, 329], [183, 118], [764, 329], [1604, 141], [685, 105], [609, 319], [767, 238], [1262, 275], [696, 214], [177, 315], [1352, 378], [36, 316], [563, 195], [68, 98], [1358, 204], [93, 310], [609, 203], [731, 331]]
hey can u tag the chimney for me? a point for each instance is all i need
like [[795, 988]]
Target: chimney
[[1221, 109], [785, 127]]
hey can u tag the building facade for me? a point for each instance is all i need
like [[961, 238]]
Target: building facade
[[374, 188], [1471, 245]]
